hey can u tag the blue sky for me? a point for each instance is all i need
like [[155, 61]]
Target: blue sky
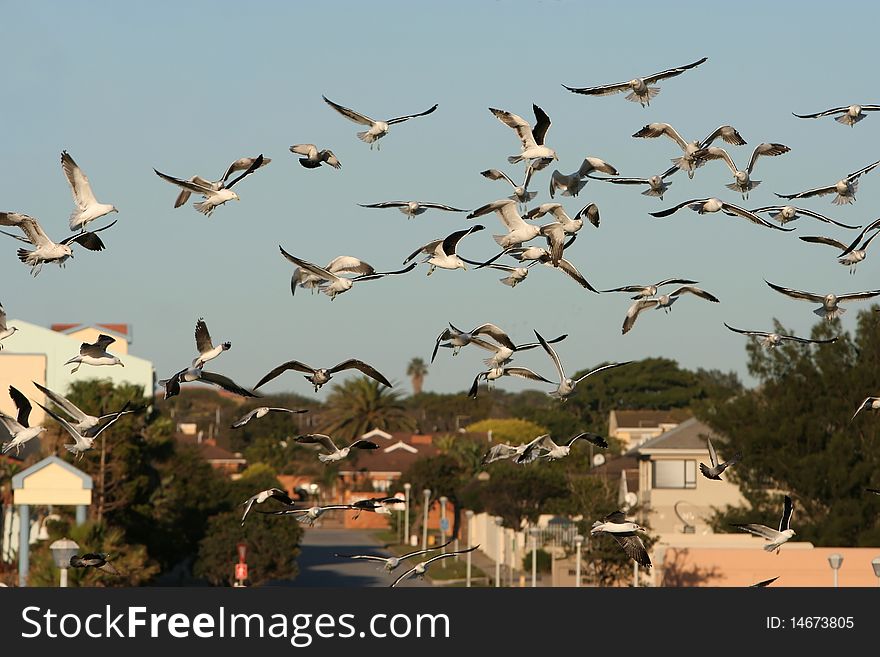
[[188, 87]]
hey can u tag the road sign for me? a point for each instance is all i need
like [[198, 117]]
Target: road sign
[[241, 571], [444, 524]]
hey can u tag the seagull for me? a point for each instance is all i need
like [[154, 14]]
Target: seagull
[[717, 468], [329, 281], [333, 452], [742, 181], [420, 568], [263, 496], [776, 537], [18, 427], [87, 207], [412, 208], [515, 275], [46, 250], [640, 90], [566, 386], [874, 225], [532, 138], [766, 582], [646, 291], [543, 447], [518, 231], [624, 532], [88, 425], [497, 372], [572, 184], [557, 233], [207, 350], [869, 404], [830, 302], [853, 256], [307, 516], [704, 205], [785, 213], [380, 505], [7, 331], [378, 129], [95, 354], [520, 192], [664, 301], [263, 411], [849, 114], [391, 563], [503, 451], [214, 195], [544, 257], [241, 164], [458, 338], [441, 253], [99, 560], [319, 376], [313, 158], [845, 188], [657, 185], [687, 162], [191, 374], [771, 340], [502, 355], [83, 441]]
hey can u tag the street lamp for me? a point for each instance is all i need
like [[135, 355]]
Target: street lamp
[[62, 550], [406, 488], [534, 531], [427, 494], [470, 516], [578, 542], [836, 561], [500, 546], [875, 564]]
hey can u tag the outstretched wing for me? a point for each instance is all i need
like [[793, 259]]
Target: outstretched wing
[[827, 112], [632, 314], [289, 365], [62, 402], [797, 294], [520, 125], [78, 181], [713, 456], [601, 368], [355, 364], [757, 334], [256, 164], [759, 530], [203, 337], [401, 119], [788, 507], [450, 243], [226, 383], [23, 405], [634, 549], [350, 114], [672, 72]]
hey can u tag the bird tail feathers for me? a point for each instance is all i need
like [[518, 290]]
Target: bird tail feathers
[[205, 207], [365, 136]]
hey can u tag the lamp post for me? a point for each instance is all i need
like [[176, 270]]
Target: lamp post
[[443, 500], [875, 564], [835, 561], [534, 531], [427, 494], [406, 488], [470, 516], [499, 539], [578, 542], [62, 550]]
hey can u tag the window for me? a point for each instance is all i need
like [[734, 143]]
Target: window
[[674, 474]]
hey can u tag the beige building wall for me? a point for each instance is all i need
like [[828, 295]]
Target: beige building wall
[[20, 370], [90, 334]]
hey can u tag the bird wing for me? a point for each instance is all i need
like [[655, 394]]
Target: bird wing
[[62, 402], [770, 149], [690, 289], [632, 313], [713, 456], [524, 373], [368, 557], [330, 158], [653, 130], [729, 208], [759, 530], [519, 124], [13, 427], [797, 294], [676, 208], [381, 274], [788, 507], [23, 405], [809, 341], [727, 132], [244, 420], [475, 386], [349, 264], [600, 369], [401, 119], [243, 164], [418, 552], [320, 272], [858, 296], [818, 191], [354, 364], [856, 174], [715, 153], [89, 239], [257, 163], [350, 114], [834, 110], [440, 206], [104, 341], [530, 450], [820, 217], [617, 517], [499, 452], [191, 185], [319, 438], [64, 424], [553, 356], [601, 90], [761, 334], [430, 247], [634, 549], [590, 212], [672, 72], [451, 241], [496, 334], [873, 225], [824, 240], [766, 582], [673, 281], [363, 443], [2, 318], [226, 383], [28, 225], [495, 174], [623, 181], [94, 432], [289, 365], [78, 181], [402, 577], [385, 204], [542, 124], [303, 149], [592, 438], [571, 270], [203, 337]]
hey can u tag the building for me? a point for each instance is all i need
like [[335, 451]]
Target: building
[[632, 428], [379, 469], [219, 458]]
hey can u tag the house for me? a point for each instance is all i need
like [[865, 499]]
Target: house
[[632, 428], [219, 458], [379, 469]]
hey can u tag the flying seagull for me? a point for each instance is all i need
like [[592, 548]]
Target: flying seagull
[[88, 425], [776, 537], [241, 164], [556, 233], [420, 568], [191, 374], [830, 302], [515, 275], [572, 184], [46, 250], [704, 205], [853, 255], [207, 350], [849, 114], [95, 354], [874, 225], [380, 505], [392, 562], [83, 441], [319, 376], [263, 411], [502, 354], [640, 90], [307, 516], [98, 560], [566, 386], [869, 404], [645, 291], [687, 162], [18, 426], [785, 213], [518, 231], [664, 301], [412, 208], [716, 468], [532, 138], [334, 453], [328, 280], [771, 340], [313, 158], [624, 532], [457, 338], [263, 496], [543, 447], [742, 181], [441, 253], [845, 188], [87, 207], [377, 129], [503, 451], [521, 193], [497, 372], [214, 195], [657, 185], [5, 331]]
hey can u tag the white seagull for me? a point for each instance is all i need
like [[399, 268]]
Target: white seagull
[[241, 164], [313, 158], [556, 233], [776, 537], [742, 181], [624, 532], [83, 441], [518, 231], [664, 301], [420, 568], [441, 253], [5, 331], [18, 426], [95, 354], [87, 207], [785, 213], [532, 138], [497, 372], [716, 468], [845, 188], [263, 496], [521, 193], [704, 205], [334, 453], [192, 374], [377, 129], [412, 208], [830, 302], [381, 505], [851, 256], [207, 350], [566, 386], [657, 185], [502, 355], [543, 447], [849, 114], [328, 280], [869, 404], [573, 183], [687, 162], [646, 291], [640, 90], [319, 376], [773, 339], [88, 425], [263, 411], [214, 195], [457, 338], [307, 516], [391, 563]]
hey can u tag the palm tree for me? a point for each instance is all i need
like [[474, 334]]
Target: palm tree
[[355, 407], [417, 370]]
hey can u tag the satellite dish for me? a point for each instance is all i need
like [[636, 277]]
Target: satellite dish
[[598, 459], [631, 498]]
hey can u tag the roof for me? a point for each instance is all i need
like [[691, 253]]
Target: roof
[[123, 330], [612, 468], [649, 418], [689, 435], [18, 480], [396, 457]]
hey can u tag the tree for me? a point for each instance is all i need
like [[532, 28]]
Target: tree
[[513, 431], [417, 370], [355, 407]]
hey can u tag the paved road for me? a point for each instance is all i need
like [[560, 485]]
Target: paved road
[[319, 567]]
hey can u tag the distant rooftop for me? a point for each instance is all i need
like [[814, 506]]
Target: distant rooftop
[[689, 435], [123, 330]]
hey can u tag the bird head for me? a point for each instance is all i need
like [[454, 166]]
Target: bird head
[[116, 361], [66, 250], [113, 209], [235, 197], [226, 345]]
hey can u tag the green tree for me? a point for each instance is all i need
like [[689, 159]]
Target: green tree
[[513, 431], [417, 370], [355, 407]]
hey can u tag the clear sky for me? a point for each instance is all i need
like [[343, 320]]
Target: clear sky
[[188, 87]]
